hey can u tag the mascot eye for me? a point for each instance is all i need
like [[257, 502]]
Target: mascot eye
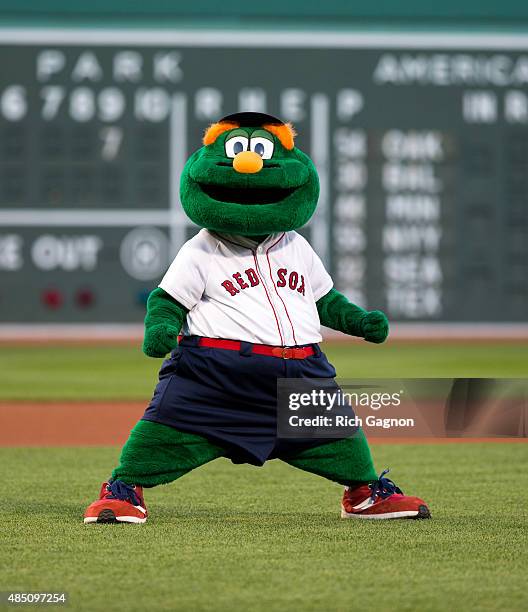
[[236, 145], [262, 146]]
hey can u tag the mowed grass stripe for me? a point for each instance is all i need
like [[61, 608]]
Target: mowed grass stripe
[[46, 372]]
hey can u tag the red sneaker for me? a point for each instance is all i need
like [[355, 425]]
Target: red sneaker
[[381, 499], [117, 503]]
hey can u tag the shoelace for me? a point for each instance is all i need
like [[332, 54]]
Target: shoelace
[[383, 487], [124, 492]]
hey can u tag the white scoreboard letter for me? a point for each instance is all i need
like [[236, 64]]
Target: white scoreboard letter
[[128, 66], [516, 107], [49, 62], [87, 68], [479, 106], [292, 104], [349, 103], [208, 104], [167, 67], [10, 252], [252, 99]]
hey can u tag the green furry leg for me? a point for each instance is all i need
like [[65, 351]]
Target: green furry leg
[[347, 462], [157, 454]]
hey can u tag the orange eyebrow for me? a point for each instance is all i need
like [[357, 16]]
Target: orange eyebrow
[[285, 133], [215, 129]]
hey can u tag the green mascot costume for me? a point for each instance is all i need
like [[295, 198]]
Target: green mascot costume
[[239, 308]]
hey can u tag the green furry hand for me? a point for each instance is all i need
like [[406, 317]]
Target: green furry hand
[[337, 312], [160, 339], [164, 319], [375, 326]]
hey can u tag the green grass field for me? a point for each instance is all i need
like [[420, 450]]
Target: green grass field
[[123, 372], [237, 538]]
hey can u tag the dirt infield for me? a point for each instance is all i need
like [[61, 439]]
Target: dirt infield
[[109, 423], [67, 423]]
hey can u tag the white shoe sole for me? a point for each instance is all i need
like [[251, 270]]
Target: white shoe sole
[[119, 519], [385, 515], [422, 513]]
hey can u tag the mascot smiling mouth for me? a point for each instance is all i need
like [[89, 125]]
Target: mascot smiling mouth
[[248, 195]]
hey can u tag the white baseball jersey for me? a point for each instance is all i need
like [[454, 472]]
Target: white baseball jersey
[[238, 289]]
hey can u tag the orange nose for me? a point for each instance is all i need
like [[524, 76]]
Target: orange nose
[[247, 162]]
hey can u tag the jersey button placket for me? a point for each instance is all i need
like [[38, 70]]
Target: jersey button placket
[[270, 288]]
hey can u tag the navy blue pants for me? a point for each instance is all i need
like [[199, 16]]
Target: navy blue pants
[[230, 398]]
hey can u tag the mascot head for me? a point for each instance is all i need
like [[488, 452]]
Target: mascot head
[[249, 178]]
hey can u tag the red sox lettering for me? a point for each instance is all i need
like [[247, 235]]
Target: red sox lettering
[[293, 280], [251, 276]]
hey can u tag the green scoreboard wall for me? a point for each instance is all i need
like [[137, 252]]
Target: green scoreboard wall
[[421, 143]]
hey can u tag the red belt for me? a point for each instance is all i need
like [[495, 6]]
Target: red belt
[[282, 352]]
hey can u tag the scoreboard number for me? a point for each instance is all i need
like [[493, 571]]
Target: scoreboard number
[[13, 103], [111, 138]]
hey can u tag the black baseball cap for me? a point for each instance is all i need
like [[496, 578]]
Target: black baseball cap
[[248, 119]]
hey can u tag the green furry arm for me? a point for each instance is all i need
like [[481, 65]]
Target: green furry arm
[[163, 322], [337, 312]]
